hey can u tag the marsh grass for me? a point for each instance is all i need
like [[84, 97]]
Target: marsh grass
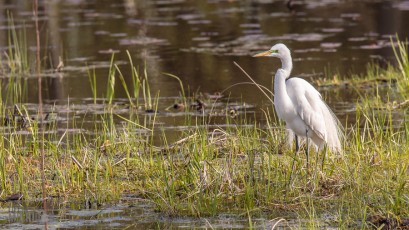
[[402, 57], [14, 63], [16, 59], [93, 83], [245, 168], [376, 76]]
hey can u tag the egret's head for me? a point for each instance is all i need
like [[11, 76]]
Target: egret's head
[[278, 50]]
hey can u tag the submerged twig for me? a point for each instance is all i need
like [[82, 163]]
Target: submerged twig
[[403, 104], [120, 161], [185, 139], [182, 141], [134, 123], [276, 222]]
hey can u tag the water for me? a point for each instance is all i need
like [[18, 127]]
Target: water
[[198, 41], [130, 213]]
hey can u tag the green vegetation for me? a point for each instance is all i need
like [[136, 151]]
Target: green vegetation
[[376, 76], [244, 168]]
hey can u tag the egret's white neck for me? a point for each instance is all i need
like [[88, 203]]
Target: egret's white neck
[[287, 64], [282, 101]]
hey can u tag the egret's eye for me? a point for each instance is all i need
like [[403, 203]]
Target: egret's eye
[[274, 51]]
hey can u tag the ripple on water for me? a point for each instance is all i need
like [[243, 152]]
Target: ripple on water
[[404, 5], [142, 40]]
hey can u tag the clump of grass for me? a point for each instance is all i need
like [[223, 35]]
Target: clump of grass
[[146, 91], [376, 76], [15, 60], [93, 83], [402, 57], [14, 63], [136, 82], [111, 81]]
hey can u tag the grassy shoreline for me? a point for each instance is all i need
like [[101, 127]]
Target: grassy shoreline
[[244, 168]]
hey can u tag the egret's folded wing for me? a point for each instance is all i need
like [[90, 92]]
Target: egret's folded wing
[[310, 112], [308, 104]]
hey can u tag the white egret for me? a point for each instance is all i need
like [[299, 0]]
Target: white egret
[[301, 106]]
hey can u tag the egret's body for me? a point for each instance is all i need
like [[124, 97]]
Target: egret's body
[[300, 105]]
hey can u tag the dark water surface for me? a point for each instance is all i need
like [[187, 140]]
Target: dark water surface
[[198, 41], [130, 214]]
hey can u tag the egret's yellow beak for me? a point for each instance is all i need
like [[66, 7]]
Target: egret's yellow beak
[[265, 53]]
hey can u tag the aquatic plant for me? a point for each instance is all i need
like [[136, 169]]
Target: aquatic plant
[[111, 80], [93, 83], [402, 57]]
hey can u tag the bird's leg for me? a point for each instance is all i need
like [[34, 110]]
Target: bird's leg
[[297, 145], [323, 158], [297, 148], [307, 150]]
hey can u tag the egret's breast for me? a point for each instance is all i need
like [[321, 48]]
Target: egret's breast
[[285, 111], [298, 126]]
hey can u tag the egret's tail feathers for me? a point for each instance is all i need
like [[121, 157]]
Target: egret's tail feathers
[[335, 134]]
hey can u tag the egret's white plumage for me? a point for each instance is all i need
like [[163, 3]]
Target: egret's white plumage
[[301, 106]]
